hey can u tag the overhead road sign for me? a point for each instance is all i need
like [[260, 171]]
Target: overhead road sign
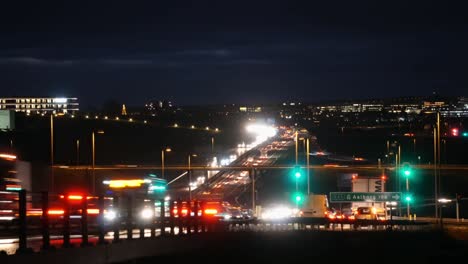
[[365, 196]]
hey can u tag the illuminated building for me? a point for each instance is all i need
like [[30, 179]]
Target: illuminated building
[[124, 110], [250, 109], [40, 104]]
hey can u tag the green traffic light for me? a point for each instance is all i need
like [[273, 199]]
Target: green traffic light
[[407, 172], [297, 174], [408, 198], [465, 134], [298, 198]]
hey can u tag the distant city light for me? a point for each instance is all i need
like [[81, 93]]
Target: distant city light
[[262, 130], [176, 125], [192, 127], [60, 100], [224, 162]]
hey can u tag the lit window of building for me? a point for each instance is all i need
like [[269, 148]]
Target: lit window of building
[[23, 104]]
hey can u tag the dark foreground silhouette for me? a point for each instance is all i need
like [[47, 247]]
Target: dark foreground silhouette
[[283, 247]]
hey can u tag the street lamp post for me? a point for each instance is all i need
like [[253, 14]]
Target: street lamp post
[[52, 152], [445, 150], [190, 174], [212, 145], [443, 202], [93, 147], [162, 160], [77, 152]]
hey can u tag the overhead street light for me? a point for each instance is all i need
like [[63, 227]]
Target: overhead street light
[[444, 200]]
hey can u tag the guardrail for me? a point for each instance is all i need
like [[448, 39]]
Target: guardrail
[[171, 218]]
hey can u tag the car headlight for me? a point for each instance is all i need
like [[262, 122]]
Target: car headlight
[[146, 213], [110, 215], [227, 217]]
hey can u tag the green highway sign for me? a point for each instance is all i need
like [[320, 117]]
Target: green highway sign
[[365, 196]]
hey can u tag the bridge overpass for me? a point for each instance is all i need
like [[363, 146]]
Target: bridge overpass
[[133, 167]]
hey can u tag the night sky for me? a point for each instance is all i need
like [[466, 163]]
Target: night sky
[[200, 52]]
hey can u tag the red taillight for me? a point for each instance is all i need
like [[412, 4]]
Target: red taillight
[[93, 211], [331, 216], [175, 211], [184, 212], [55, 212], [75, 197], [351, 217], [211, 211]]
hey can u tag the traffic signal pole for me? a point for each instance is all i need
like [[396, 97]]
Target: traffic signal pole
[[308, 164], [296, 150], [407, 203]]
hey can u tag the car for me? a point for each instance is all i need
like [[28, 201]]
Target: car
[[348, 214], [334, 214], [235, 213], [369, 213]]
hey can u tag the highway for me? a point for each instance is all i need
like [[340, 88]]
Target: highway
[[229, 185]]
